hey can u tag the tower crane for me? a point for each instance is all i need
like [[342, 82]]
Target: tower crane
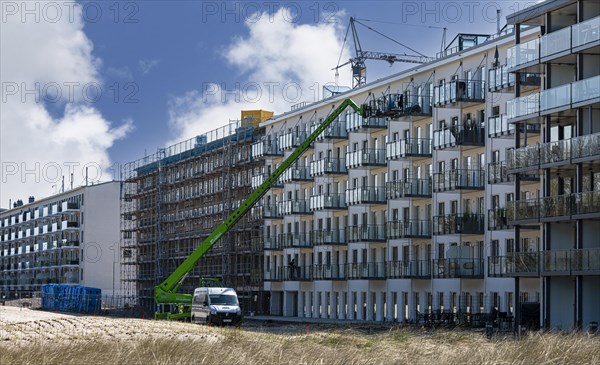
[[359, 69]]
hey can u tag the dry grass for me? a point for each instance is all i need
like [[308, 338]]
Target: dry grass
[[327, 346], [38, 337]]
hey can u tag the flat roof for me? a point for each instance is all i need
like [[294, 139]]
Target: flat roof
[[531, 14]]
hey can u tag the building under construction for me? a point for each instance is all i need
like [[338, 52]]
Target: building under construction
[[173, 199]]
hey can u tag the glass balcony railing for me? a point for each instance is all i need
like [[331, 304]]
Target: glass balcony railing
[[329, 237], [523, 53], [270, 211], [328, 165], [499, 126], [355, 122], [368, 157], [558, 97], [468, 134], [366, 195], [514, 264], [497, 219], [328, 201], [458, 268], [555, 42], [586, 32], [412, 147], [555, 207], [266, 147], [367, 233], [288, 240], [292, 139], [459, 179], [409, 229], [409, 188], [566, 151], [458, 224], [366, 270]]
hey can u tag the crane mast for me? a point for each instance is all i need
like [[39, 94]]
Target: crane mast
[[166, 292]]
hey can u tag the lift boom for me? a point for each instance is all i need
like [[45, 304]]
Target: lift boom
[[166, 292]]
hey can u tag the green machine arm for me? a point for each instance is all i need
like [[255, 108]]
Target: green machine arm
[[166, 292]]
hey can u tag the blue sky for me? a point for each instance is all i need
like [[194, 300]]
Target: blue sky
[[153, 59]]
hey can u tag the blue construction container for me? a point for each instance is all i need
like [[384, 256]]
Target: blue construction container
[[71, 298]]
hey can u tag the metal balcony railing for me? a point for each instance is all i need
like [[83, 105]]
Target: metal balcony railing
[[365, 233], [329, 237], [300, 239], [458, 224], [409, 229], [409, 188], [366, 270], [328, 166], [497, 219], [328, 201], [457, 91], [296, 173], [336, 130], [412, 147], [288, 207], [469, 134], [419, 269], [458, 268], [270, 211], [514, 264], [366, 195], [266, 147], [459, 179], [368, 157], [561, 207]]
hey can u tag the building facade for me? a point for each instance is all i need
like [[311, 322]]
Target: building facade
[[563, 208], [172, 200], [422, 210], [67, 238]]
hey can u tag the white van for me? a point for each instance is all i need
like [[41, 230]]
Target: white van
[[217, 306]]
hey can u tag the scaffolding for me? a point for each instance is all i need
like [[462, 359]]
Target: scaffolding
[[173, 199]]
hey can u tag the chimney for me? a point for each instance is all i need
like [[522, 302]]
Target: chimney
[[19, 203], [31, 199], [497, 21]]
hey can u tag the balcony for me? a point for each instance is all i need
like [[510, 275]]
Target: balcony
[[266, 147], [464, 268], [415, 269], [366, 195], [291, 240], [458, 224], [69, 225], [408, 229], [290, 273], [329, 237], [412, 147], [272, 243], [368, 157], [366, 270], [459, 179], [571, 262], [515, 264], [296, 174], [468, 134], [553, 208], [408, 104], [501, 80], [330, 272], [291, 139], [523, 54], [562, 152], [328, 201], [368, 233], [335, 131], [288, 207], [355, 122], [409, 188], [270, 211], [565, 97], [499, 126], [328, 166], [459, 91], [497, 173], [497, 219]]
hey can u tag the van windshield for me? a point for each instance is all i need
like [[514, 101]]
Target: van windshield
[[219, 299]]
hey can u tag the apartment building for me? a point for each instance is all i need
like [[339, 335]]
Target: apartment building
[[562, 208], [416, 212], [173, 199], [67, 238]]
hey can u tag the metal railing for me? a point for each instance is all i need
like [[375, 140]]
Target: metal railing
[[409, 188], [409, 229], [411, 147]]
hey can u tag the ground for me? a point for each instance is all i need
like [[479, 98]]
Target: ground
[[31, 336]]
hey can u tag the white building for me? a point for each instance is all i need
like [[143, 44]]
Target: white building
[[67, 238], [409, 216]]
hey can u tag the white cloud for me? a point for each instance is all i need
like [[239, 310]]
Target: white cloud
[[37, 147], [147, 65], [276, 56]]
